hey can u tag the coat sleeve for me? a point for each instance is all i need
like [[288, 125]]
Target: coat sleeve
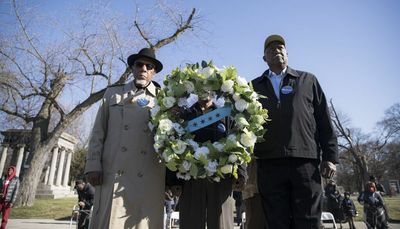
[[15, 193], [98, 136], [327, 139]]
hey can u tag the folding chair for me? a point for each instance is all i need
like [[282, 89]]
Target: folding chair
[[174, 220], [327, 216]]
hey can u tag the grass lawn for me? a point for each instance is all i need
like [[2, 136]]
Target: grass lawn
[[62, 209], [46, 209]]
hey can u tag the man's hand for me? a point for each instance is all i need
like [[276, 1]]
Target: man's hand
[[94, 178], [238, 184], [81, 204], [328, 169]]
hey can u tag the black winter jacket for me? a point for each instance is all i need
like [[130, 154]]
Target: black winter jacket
[[300, 124]]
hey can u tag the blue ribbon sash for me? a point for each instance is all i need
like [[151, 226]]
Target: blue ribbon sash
[[208, 118]]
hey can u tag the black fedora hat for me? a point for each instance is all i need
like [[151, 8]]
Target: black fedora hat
[[147, 53]]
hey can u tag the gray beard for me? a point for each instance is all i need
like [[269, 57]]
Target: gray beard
[[141, 82]]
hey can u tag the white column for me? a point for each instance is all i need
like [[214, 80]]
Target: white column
[[46, 176], [60, 169], [3, 158], [53, 166], [20, 159], [67, 168]]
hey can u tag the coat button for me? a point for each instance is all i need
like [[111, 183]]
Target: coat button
[[123, 149], [139, 174], [126, 127], [143, 152]]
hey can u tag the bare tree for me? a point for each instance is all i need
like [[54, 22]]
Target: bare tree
[[356, 148], [391, 122], [33, 80]]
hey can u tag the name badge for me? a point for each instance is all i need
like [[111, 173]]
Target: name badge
[[287, 90]]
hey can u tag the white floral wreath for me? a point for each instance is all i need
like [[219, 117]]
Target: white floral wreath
[[212, 160]]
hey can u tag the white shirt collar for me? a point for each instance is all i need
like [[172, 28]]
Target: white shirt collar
[[273, 74]]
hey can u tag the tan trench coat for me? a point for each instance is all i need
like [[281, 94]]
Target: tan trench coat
[[121, 147]]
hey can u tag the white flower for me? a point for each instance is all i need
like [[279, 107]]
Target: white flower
[[167, 157], [178, 128], [207, 72], [165, 126], [211, 167], [157, 146], [154, 110], [227, 86], [241, 105], [179, 147], [186, 165], [185, 176], [189, 86], [242, 81], [192, 99], [232, 158], [168, 102], [220, 102], [236, 96], [241, 121], [226, 169], [201, 152], [232, 138], [248, 139], [218, 146], [194, 144]]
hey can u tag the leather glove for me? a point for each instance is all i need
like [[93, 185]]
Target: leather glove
[[94, 178], [327, 169]]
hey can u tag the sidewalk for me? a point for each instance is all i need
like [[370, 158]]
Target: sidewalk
[[63, 224]]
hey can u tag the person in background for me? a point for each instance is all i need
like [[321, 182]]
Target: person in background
[[300, 143], [237, 196], [121, 162], [349, 210], [85, 202], [374, 207], [8, 194]]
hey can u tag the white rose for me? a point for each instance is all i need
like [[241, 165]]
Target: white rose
[[232, 158], [179, 147], [241, 105], [216, 179], [207, 72], [185, 176], [167, 157], [226, 169], [211, 167], [186, 165], [242, 81], [165, 126], [194, 144], [236, 96], [182, 102], [248, 139], [178, 128], [157, 146], [218, 146], [201, 152], [168, 102], [227, 86], [189, 86], [220, 102], [241, 121], [154, 110]]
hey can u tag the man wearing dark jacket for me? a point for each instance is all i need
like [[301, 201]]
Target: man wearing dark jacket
[[85, 198], [8, 194], [300, 129]]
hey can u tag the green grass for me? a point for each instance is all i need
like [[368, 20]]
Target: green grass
[[392, 204], [46, 209]]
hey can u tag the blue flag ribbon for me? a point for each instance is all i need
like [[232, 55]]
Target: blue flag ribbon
[[208, 118]]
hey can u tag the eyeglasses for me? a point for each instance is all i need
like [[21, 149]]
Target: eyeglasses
[[139, 64]]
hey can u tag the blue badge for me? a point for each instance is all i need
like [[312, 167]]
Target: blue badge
[[221, 128], [142, 102], [287, 90]]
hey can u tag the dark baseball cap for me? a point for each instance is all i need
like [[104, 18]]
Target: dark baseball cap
[[272, 38]]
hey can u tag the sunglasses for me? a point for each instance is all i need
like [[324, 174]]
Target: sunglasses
[[139, 64]]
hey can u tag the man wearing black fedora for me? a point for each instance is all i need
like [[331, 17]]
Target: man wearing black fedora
[[121, 162]]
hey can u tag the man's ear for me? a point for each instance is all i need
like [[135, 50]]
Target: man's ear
[[265, 59]]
